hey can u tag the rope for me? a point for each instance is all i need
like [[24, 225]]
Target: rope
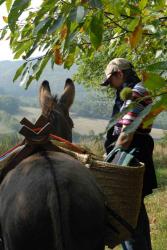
[[7, 153], [57, 138]]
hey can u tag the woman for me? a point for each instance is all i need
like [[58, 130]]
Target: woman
[[120, 73]]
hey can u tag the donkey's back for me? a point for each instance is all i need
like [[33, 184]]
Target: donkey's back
[[50, 201]]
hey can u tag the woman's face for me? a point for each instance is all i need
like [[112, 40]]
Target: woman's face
[[116, 79]]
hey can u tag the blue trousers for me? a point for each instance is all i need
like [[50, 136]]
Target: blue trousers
[[141, 239]]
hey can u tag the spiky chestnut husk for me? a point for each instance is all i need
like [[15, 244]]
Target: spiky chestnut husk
[[126, 94]]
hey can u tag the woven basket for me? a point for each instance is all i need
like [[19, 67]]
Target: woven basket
[[122, 187]]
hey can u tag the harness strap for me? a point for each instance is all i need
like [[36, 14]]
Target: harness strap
[[122, 221], [9, 152]]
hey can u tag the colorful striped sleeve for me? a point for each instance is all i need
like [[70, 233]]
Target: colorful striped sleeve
[[137, 92]]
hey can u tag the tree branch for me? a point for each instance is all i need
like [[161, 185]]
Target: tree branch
[[35, 58], [117, 24], [125, 16]]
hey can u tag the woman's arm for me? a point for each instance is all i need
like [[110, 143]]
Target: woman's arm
[[124, 140]]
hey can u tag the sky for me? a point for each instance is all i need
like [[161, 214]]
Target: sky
[[5, 51]]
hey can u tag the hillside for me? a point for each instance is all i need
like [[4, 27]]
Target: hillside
[[88, 103]]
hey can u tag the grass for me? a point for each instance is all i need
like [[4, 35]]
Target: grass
[[156, 206], [157, 209], [8, 141]]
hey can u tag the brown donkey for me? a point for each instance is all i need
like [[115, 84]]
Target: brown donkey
[[57, 110], [50, 201]]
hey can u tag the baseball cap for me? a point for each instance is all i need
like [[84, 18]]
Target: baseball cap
[[114, 66]]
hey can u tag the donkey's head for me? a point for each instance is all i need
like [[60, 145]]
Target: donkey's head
[[57, 109]]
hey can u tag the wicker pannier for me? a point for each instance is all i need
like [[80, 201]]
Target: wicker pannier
[[122, 187]]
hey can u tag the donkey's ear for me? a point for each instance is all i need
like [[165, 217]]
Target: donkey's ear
[[45, 96], [68, 95]]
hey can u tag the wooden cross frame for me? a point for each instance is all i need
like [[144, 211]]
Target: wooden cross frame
[[35, 135]]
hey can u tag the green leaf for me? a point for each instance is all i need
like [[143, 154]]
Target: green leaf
[[23, 48], [42, 65], [142, 4], [70, 59], [30, 51], [154, 81], [116, 7], [19, 71], [127, 10], [30, 79], [157, 67], [157, 108], [36, 66], [96, 3], [2, 1], [56, 25], [41, 25], [17, 9], [8, 4], [133, 24], [52, 62], [80, 14], [164, 100], [96, 30], [72, 15], [4, 32], [161, 3], [23, 77]]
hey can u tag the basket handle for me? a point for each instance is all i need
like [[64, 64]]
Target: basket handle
[[113, 152]]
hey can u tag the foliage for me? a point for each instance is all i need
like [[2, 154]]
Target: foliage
[[90, 33], [94, 105]]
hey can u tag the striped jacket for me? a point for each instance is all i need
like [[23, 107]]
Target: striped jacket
[[138, 91]]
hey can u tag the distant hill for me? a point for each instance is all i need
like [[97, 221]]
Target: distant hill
[[88, 103], [56, 77]]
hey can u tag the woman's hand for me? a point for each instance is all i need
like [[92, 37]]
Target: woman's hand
[[124, 140]]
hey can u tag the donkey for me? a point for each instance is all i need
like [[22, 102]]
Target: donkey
[[50, 201]]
